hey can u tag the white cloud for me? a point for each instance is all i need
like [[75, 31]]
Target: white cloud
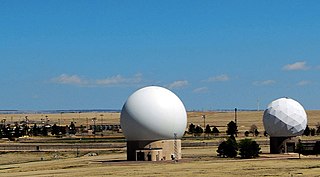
[[220, 78], [178, 84], [119, 80], [201, 90], [264, 83], [301, 65], [303, 83], [69, 79], [109, 81]]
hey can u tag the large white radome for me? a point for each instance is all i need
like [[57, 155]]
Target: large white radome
[[153, 113], [284, 117]]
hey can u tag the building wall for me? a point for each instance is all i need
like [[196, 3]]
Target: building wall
[[279, 145], [150, 155], [165, 149]]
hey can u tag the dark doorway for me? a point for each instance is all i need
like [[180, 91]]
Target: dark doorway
[[290, 147], [140, 156], [149, 157]]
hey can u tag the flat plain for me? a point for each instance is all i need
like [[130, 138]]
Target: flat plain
[[197, 161]]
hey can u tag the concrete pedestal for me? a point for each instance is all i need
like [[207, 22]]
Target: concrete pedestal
[[280, 145], [153, 150]]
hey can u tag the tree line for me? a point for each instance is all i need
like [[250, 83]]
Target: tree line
[[232, 129], [19, 130]]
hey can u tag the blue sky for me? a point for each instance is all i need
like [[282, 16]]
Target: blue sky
[[212, 54]]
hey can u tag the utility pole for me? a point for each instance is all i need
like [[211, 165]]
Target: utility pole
[[101, 116], [60, 118], [235, 119], [235, 115], [204, 126], [94, 128]]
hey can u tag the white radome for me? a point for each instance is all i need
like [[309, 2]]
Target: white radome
[[153, 113], [285, 117]]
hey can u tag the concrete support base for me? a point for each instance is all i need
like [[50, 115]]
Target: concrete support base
[[153, 150], [280, 145]]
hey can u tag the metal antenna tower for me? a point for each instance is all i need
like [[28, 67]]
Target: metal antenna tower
[[175, 147]]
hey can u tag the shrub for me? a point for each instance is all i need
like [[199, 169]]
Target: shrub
[[232, 128], [191, 128], [246, 133], [215, 130], [312, 131], [228, 148], [307, 131], [207, 129], [198, 131], [249, 149]]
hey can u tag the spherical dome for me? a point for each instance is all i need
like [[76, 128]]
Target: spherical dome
[[153, 113], [284, 117]]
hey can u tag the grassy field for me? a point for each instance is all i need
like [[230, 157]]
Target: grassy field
[[197, 161], [201, 161]]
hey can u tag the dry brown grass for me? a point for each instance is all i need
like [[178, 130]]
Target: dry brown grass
[[245, 119], [66, 118], [201, 161]]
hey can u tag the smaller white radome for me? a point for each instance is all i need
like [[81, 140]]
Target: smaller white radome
[[153, 113], [284, 117]]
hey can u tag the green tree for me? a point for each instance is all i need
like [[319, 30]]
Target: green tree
[[44, 131], [228, 148], [55, 129], [63, 130], [318, 128], [198, 130], [222, 149], [215, 130], [17, 132], [307, 131], [312, 131], [232, 128], [249, 148], [35, 130], [72, 128], [208, 129], [192, 128], [24, 130]]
